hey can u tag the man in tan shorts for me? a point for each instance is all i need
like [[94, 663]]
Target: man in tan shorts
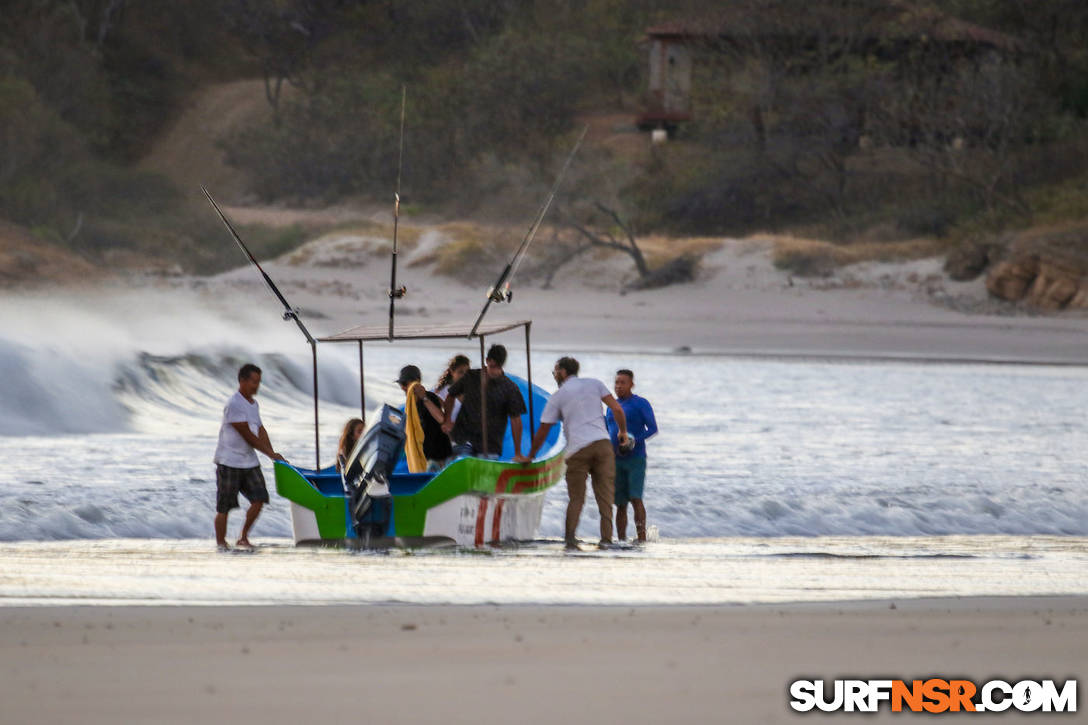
[[589, 450]]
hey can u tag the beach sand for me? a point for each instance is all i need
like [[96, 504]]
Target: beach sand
[[491, 664]]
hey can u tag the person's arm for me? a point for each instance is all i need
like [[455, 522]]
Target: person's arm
[[447, 412], [538, 441], [515, 408], [610, 424], [437, 413], [651, 422], [515, 433], [259, 442], [621, 417], [548, 417], [421, 395]]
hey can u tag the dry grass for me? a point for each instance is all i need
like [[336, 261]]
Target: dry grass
[[1066, 242], [811, 257], [474, 253], [660, 251], [28, 261], [1068, 233]]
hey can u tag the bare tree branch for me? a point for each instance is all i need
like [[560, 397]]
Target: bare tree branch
[[595, 239], [635, 252]]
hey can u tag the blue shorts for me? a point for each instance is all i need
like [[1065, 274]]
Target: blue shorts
[[630, 479]]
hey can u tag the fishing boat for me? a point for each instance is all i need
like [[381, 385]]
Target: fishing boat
[[374, 501], [470, 502]]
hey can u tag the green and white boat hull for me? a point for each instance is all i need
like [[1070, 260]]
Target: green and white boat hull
[[471, 502]]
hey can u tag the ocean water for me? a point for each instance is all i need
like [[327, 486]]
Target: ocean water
[[771, 479]]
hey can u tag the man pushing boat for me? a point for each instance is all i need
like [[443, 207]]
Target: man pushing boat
[[237, 469], [589, 449]]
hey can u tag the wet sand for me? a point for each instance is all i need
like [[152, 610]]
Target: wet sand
[[491, 664]]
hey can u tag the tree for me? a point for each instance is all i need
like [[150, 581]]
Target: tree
[[602, 237], [967, 125], [804, 77], [1056, 32], [286, 35]]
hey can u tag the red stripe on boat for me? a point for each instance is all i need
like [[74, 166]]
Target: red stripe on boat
[[481, 519], [496, 522], [535, 476]]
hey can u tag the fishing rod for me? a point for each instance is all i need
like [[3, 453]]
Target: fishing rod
[[290, 313], [500, 291], [396, 293]]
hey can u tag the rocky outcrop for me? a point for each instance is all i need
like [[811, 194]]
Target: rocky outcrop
[[1047, 270], [1011, 279], [968, 261], [1055, 285]]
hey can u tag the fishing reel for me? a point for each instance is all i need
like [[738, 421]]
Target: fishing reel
[[291, 314], [398, 293], [500, 295]]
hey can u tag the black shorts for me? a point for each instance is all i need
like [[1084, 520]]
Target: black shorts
[[229, 482]]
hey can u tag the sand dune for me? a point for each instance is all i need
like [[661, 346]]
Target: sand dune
[[740, 304]]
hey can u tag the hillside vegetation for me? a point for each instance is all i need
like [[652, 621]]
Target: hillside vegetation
[[873, 122]]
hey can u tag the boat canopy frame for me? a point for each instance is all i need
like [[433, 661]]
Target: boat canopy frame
[[381, 333]]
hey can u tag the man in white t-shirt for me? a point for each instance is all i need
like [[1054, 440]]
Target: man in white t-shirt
[[237, 470], [589, 449]]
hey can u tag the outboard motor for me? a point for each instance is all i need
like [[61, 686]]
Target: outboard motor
[[367, 472]]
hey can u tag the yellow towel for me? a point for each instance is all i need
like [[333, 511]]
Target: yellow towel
[[413, 447]]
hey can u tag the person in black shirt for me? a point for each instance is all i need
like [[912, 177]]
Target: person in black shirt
[[436, 444], [504, 401]]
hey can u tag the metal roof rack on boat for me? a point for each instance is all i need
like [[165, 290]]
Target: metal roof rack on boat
[[380, 333]]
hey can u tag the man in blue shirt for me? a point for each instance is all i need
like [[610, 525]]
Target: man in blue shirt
[[630, 461]]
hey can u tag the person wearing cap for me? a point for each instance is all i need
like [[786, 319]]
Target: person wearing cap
[[504, 402], [631, 457], [427, 447], [589, 453]]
